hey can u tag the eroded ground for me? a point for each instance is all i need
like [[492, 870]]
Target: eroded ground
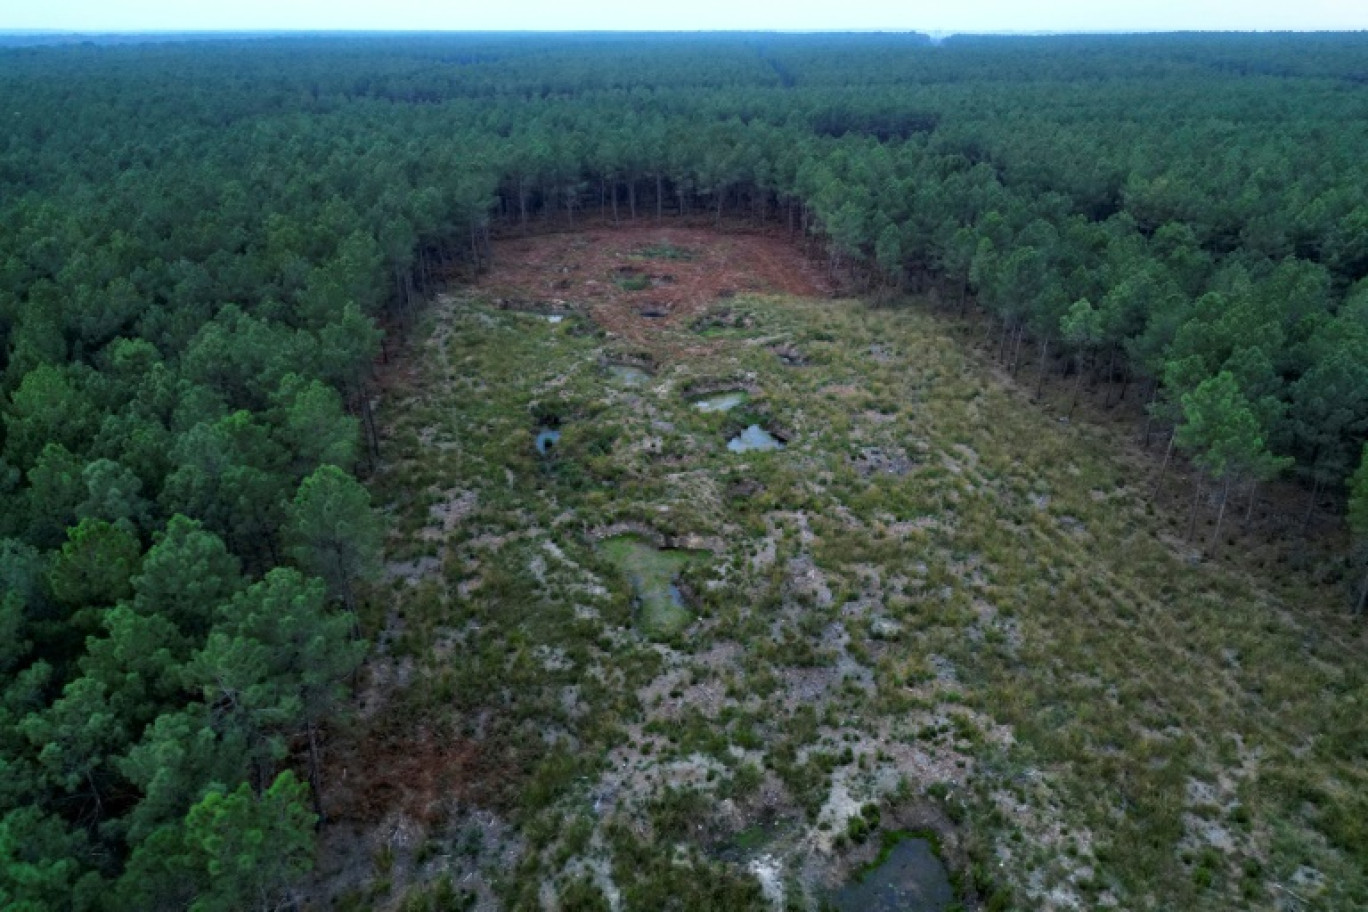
[[935, 609]]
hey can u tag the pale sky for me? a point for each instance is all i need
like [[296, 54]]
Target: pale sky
[[795, 15]]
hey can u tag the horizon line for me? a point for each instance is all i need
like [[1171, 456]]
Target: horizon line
[[902, 30]]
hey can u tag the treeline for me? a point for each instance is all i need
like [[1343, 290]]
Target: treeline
[[199, 241]]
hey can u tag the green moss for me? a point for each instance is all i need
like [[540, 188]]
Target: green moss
[[652, 574]]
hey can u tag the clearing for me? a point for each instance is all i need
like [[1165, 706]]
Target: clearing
[[936, 609]]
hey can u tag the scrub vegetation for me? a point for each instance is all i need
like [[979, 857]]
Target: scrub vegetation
[[908, 618]]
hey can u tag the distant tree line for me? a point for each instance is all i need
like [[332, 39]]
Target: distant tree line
[[199, 243]]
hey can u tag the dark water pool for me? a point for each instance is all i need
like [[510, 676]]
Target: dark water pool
[[911, 879]]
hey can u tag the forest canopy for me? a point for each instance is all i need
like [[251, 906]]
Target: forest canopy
[[201, 242]]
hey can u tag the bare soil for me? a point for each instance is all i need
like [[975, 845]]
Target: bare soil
[[589, 272]]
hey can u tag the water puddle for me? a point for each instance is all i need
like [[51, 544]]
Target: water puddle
[[754, 438], [628, 375], [652, 573], [910, 879], [537, 313], [721, 402], [547, 438]]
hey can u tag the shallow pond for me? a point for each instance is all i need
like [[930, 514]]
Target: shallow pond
[[754, 438], [910, 879], [628, 375], [546, 439], [652, 573], [720, 402]]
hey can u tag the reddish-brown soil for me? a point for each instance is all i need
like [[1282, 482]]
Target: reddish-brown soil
[[410, 772], [596, 271]]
